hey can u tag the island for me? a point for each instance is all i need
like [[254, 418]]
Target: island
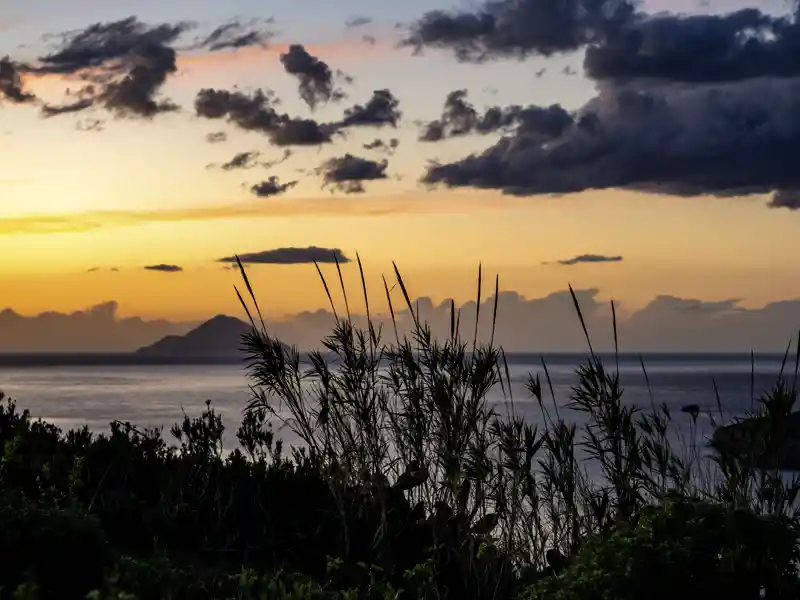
[[218, 338]]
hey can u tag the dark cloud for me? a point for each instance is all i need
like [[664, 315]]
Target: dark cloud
[[357, 21], [369, 39], [164, 268], [459, 117], [384, 146], [235, 34], [724, 140], [302, 132], [256, 112], [314, 75], [381, 109], [539, 122], [348, 173], [785, 199], [587, 258], [125, 62], [11, 88], [518, 28], [271, 187], [96, 269], [216, 137], [51, 110], [241, 160], [290, 256], [251, 112], [620, 42], [287, 153], [699, 48], [101, 43], [133, 94]]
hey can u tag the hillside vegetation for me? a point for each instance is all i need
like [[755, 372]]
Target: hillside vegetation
[[408, 484]]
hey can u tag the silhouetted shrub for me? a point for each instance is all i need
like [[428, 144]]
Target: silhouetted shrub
[[62, 550], [683, 549]]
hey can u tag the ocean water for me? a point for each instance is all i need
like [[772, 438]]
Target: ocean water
[[157, 396]]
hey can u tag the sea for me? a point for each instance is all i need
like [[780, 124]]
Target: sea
[[74, 393]]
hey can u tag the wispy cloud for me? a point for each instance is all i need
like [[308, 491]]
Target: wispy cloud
[[268, 57], [413, 203]]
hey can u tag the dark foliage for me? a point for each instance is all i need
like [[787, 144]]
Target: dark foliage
[[409, 484]]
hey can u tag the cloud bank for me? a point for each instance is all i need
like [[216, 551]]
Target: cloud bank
[[686, 105], [96, 329], [545, 324]]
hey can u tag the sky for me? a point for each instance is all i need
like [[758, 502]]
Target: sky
[[644, 151]]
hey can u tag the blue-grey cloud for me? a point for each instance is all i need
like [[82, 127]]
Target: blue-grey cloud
[[235, 34], [11, 88], [358, 21], [348, 173], [314, 76], [459, 117], [381, 109], [699, 48], [256, 112], [271, 187], [122, 65], [241, 160], [519, 28], [724, 139]]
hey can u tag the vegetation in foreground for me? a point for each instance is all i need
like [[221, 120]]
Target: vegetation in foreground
[[409, 484]]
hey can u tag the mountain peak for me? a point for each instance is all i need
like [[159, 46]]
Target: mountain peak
[[219, 337]]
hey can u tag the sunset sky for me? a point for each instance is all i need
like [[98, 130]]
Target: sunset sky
[[92, 197]]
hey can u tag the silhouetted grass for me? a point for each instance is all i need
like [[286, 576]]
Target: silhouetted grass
[[408, 483]]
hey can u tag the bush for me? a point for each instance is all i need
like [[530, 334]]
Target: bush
[[63, 550], [684, 549]]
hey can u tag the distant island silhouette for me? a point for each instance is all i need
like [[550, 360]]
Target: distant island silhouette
[[218, 338]]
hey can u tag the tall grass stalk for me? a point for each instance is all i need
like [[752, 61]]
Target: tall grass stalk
[[412, 416]]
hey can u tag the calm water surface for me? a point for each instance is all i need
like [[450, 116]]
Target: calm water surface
[[157, 396]]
